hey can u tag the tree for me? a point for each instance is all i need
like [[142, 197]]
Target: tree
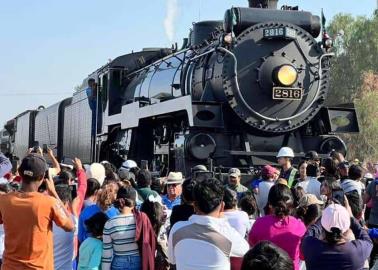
[[354, 79]]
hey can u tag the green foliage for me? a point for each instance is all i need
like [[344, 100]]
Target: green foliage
[[352, 73]]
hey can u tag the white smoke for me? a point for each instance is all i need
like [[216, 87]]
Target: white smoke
[[170, 18]]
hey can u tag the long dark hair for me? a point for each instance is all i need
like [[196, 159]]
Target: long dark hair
[[154, 211], [334, 236], [280, 199]]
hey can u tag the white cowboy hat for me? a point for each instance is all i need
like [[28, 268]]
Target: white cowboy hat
[[174, 178]]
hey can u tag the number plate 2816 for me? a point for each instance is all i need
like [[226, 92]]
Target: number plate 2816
[[284, 93]]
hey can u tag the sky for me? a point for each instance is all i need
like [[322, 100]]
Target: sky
[[49, 47]]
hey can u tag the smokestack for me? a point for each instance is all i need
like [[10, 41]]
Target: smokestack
[[270, 4]]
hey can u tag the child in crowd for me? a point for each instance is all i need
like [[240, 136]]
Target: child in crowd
[[91, 249]]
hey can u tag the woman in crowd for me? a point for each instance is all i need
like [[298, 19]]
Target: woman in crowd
[[327, 186], [248, 204], [328, 246], [104, 203], [267, 256], [239, 220], [280, 227], [302, 171], [120, 250]]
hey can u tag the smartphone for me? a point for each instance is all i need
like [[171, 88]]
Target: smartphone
[[144, 164], [73, 189], [35, 147], [44, 148], [338, 196]]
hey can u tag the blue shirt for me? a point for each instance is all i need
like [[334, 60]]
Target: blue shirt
[[255, 183], [91, 99], [90, 254], [170, 204], [87, 213]]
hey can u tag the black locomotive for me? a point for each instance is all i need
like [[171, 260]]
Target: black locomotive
[[237, 91]]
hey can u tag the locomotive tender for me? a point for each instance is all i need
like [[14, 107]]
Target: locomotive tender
[[237, 91]]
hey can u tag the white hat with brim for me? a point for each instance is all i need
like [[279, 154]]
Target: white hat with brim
[[174, 178]]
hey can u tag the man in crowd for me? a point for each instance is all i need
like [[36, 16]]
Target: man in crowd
[[311, 185], [174, 190], [355, 174], [288, 172], [144, 181], [234, 177], [27, 217], [208, 238], [267, 175]]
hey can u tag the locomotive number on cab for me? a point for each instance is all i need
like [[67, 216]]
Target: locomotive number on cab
[[284, 93]]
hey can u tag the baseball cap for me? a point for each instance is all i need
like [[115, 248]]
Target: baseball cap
[[309, 199], [335, 216], [33, 165], [234, 172], [268, 171]]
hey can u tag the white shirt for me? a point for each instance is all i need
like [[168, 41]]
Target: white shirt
[[63, 247], [262, 196], [311, 186], [204, 242], [238, 220]]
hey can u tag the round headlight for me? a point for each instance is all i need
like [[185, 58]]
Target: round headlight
[[287, 75]]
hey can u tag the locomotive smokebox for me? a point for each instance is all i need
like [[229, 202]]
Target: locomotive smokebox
[[270, 4]]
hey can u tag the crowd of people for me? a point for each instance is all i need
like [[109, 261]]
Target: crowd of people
[[321, 215]]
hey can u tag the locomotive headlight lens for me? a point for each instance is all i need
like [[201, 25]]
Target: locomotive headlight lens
[[287, 75]]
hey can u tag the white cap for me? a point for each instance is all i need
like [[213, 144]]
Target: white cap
[[369, 176], [285, 152], [96, 171], [335, 216], [128, 164]]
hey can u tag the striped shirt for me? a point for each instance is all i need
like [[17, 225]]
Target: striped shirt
[[119, 239]]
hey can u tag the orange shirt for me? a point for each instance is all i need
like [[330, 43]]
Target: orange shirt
[[27, 219]]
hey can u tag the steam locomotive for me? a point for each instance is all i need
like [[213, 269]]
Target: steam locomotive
[[236, 92]]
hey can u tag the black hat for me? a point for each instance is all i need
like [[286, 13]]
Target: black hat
[[33, 165], [312, 155]]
